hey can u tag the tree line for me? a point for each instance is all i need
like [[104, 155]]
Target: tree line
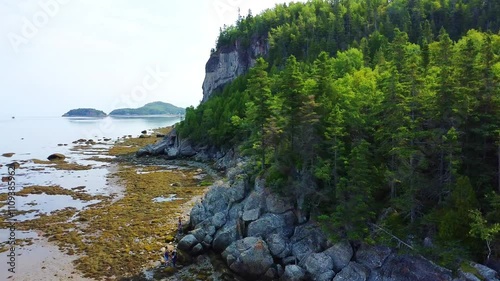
[[398, 133]]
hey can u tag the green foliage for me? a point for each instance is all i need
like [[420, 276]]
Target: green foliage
[[366, 117], [482, 230]]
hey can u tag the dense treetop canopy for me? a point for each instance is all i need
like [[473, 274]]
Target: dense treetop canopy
[[374, 115]]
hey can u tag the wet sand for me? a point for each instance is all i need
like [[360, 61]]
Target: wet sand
[[41, 261]]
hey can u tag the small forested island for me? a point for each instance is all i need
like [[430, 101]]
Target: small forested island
[[154, 108], [85, 112]]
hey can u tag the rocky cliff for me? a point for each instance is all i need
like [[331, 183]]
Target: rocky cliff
[[229, 62]]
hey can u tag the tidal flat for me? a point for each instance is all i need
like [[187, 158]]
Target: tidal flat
[[113, 216]]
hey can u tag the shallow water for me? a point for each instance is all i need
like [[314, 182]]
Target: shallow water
[[37, 138]]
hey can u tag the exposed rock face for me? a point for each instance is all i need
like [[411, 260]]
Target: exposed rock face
[[172, 147], [260, 238], [228, 63]]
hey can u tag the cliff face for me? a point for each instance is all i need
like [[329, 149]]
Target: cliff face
[[230, 62]]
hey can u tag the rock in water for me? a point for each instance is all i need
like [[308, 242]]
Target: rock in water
[[13, 165], [56, 157], [8, 155]]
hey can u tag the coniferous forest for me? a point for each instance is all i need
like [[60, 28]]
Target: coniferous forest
[[382, 118]]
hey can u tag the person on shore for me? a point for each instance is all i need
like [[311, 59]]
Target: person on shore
[[174, 257], [165, 256], [179, 227]]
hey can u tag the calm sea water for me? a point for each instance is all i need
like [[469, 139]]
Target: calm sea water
[[37, 138], [31, 137]]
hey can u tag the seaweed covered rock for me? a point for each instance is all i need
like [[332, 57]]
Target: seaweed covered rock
[[56, 157]]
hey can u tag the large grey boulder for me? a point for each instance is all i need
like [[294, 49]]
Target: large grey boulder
[[219, 219], [318, 263], [353, 272], [272, 223], [293, 273], [307, 239], [153, 149], [277, 204], [248, 257], [341, 253], [410, 268], [186, 149], [216, 199], [251, 215], [325, 276], [198, 214], [187, 243], [238, 190], [225, 237], [278, 245], [255, 200], [372, 256]]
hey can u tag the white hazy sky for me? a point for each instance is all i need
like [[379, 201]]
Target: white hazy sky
[[56, 55]]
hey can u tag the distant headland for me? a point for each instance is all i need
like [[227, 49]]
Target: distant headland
[[154, 108], [85, 112]]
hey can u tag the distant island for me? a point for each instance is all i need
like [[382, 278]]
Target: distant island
[[154, 108], [85, 112]]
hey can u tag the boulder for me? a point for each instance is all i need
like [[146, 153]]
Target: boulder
[[325, 276], [13, 165], [277, 204], [248, 257], [216, 199], [237, 191], [278, 245], [353, 272], [293, 273], [410, 268], [198, 214], [197, 249], [372, 256], [144, 132], [225, 237], [153, 149], [219, 219], [187, 243], [272, 223], [341, 253], [255, 200], [186, 149], [251, 215], [307, 238], [56, 157], [203, 229], [171, 152], [318, 263]]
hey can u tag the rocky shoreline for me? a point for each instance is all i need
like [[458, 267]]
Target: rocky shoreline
[[264, 236]]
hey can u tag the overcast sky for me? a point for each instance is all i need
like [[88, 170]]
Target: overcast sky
[[56, 55]]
